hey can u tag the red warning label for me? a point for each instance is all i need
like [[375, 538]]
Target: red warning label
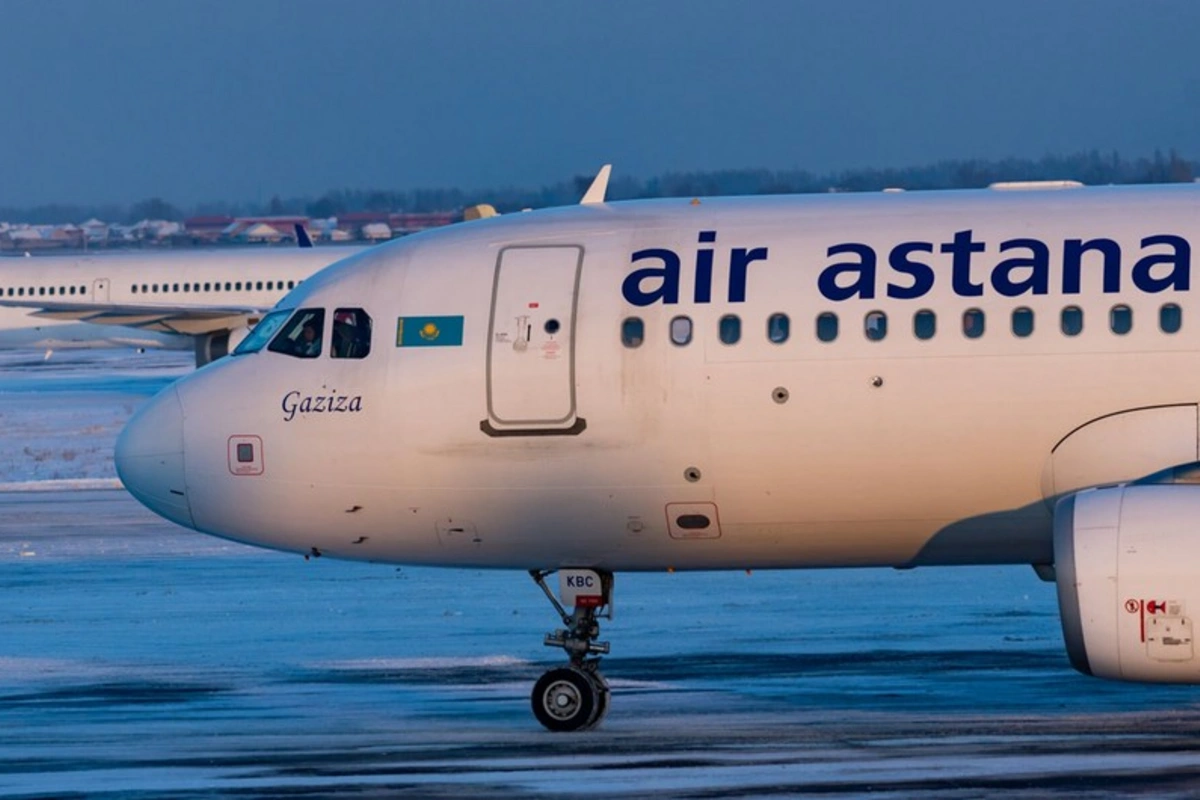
[[1150, 608]]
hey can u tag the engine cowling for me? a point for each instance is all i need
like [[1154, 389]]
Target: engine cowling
[[1127, 564], [218, 344]]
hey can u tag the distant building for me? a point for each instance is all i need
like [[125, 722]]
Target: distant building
[[327, 230], [376, 231], [403, 224], [258, 233], [373, 226], [262, 229], [155, 230], [370, 224], [206, 228], [95, 232]]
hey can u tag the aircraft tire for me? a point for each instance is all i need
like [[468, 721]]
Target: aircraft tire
[[603, 695], [566, 699]]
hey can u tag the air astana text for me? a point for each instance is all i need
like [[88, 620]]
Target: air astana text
[[333, 403], [909, 270]]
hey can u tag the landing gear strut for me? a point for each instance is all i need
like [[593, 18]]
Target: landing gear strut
[[575, 697]]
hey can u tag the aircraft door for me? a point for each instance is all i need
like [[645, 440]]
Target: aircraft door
[[100, 290], [531, 343]]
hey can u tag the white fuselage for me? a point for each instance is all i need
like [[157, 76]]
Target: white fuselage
[[577, 448], [243, 277]]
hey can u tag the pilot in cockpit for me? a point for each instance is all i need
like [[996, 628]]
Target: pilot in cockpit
[[351, 334], [308, 345]]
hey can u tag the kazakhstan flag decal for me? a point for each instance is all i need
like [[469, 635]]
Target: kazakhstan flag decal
[[429, 332]]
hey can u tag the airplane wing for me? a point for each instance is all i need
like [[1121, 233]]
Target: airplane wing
[[188, 320]]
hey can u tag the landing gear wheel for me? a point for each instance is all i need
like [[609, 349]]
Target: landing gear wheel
[[575, 697], [603, 694], [567, 699]]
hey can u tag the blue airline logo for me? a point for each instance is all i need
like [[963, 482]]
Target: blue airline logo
[[907, 271]]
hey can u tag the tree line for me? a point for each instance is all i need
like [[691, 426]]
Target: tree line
[[1092, 167]]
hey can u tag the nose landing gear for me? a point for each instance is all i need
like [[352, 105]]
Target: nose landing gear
[[575, 697]]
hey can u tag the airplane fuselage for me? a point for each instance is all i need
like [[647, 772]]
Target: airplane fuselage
[[157, 283], [663, 384]]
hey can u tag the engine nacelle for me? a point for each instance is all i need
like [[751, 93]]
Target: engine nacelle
[[1127, 563], [218, 344]]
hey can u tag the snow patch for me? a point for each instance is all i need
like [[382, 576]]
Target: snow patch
[[455, 662], [62, 485]]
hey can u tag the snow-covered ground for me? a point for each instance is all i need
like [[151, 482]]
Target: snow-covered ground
[[59, 416], [140, 660]]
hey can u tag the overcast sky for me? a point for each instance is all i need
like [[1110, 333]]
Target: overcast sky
[[240, 100]]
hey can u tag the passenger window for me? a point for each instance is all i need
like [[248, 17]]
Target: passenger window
[[1120, 319], [351, 333], [779, 328], [187, 287], [730, 329], [681, 330], [301, 335], [973, 323], [1072, 320], [827, 326], [633, 332], [1170, 318], [1022, 322], [875, 325], [924, 324], [134, 289]]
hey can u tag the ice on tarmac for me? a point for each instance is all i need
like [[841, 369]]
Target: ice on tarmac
[[141, 660]]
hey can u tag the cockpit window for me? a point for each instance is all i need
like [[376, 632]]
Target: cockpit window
[[351, 333], [301, 335], [262, 332]]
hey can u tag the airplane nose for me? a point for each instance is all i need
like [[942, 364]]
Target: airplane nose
[[149, 457]]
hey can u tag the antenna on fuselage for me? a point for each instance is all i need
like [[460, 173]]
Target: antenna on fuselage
[[595, 193]]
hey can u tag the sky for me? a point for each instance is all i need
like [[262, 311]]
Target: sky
[[229, 100]]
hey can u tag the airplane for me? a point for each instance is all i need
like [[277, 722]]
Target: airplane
[[204, 300], [993, 376]]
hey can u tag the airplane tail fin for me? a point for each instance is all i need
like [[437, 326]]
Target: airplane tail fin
[[302, 237]]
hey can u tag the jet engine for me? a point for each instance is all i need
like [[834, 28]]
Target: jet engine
[[1127, 565], [211, 346]]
